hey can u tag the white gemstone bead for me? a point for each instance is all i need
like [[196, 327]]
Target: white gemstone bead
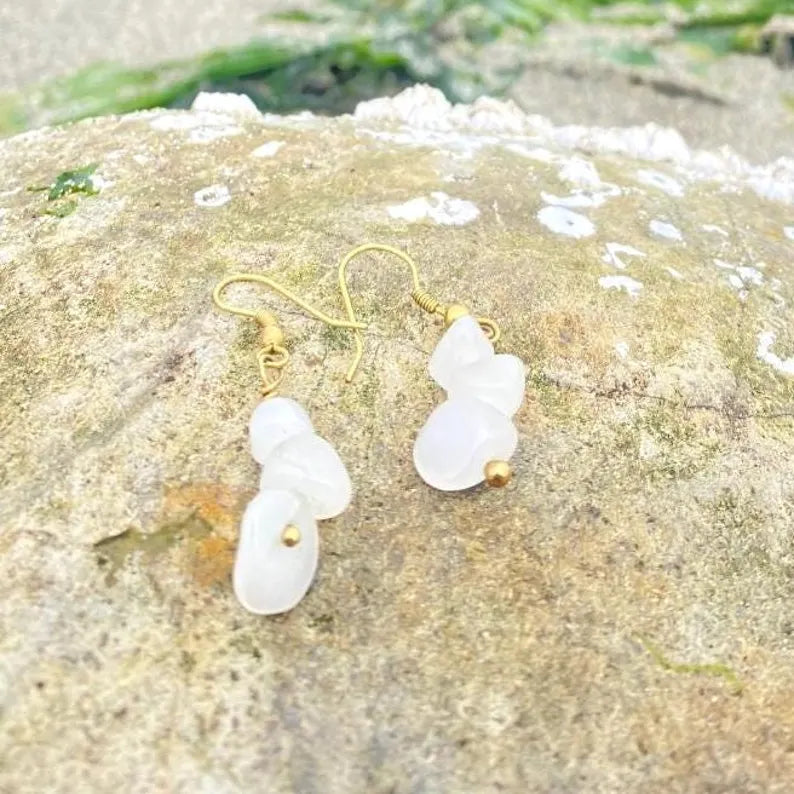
[[270, 577], [458, 439], [499, 382], [463, 343], [310, 466], [275, 420]]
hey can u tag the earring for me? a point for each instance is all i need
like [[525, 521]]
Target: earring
[[303, 478], [470, 437]]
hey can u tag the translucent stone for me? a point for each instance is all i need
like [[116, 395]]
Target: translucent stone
[[500, 382], [275, 420], [270, 577], [309, 465], [463, 343], [458, 439]]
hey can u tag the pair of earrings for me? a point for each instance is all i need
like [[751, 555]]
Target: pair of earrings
[[469, 438]]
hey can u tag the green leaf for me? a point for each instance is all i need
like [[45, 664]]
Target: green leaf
[[62, 209], [78, 181]]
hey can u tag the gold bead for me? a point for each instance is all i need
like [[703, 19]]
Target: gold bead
[[291, 536], [498, 473], [272, 336], [454, 312], [266, 318]]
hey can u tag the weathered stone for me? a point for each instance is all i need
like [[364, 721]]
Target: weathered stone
[[618, 618]]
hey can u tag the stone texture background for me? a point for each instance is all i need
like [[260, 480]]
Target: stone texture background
[[617, 619]]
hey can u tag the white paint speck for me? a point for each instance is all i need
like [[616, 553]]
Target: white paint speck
[[580, 172], [741, 277], [738, 285], [710, 227], [630, 285], [268, 149], [764, 352], [567, 222], [789, 232], [666, 230], [648, 448], [441, 208], [614, 250], [674, 273], [141, 159], [622, 349], [749, 275], [219, 102], [661, 181], [212, 196]]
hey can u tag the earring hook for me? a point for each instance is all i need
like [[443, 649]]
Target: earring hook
[[273, 355], [258, 278], [422, 298]]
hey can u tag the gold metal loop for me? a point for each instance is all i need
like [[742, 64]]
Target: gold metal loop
[[272, 361], [272, 357], [491, 329], [421, 297], [346, 259], [258, 278], [424, 300]]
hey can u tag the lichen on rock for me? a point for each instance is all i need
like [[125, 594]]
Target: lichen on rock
[[487, 641]]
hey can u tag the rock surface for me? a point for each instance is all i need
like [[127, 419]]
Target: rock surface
[[619, 618]]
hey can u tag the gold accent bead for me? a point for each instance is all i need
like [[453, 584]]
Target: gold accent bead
[[291, 536], [454, 312], [266, 318], [272, 336], [498, 473]]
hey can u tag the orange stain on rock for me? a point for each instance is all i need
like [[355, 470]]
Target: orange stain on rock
[[212, 561], [218, 505], [209, 559]]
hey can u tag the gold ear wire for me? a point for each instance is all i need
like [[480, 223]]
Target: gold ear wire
[[422, 298], [273, 356]]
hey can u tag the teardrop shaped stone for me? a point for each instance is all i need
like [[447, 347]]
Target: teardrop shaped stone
[[458, 439], [269, 576], [499, 381], [275, 420], [463, 343], [310, 466]]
